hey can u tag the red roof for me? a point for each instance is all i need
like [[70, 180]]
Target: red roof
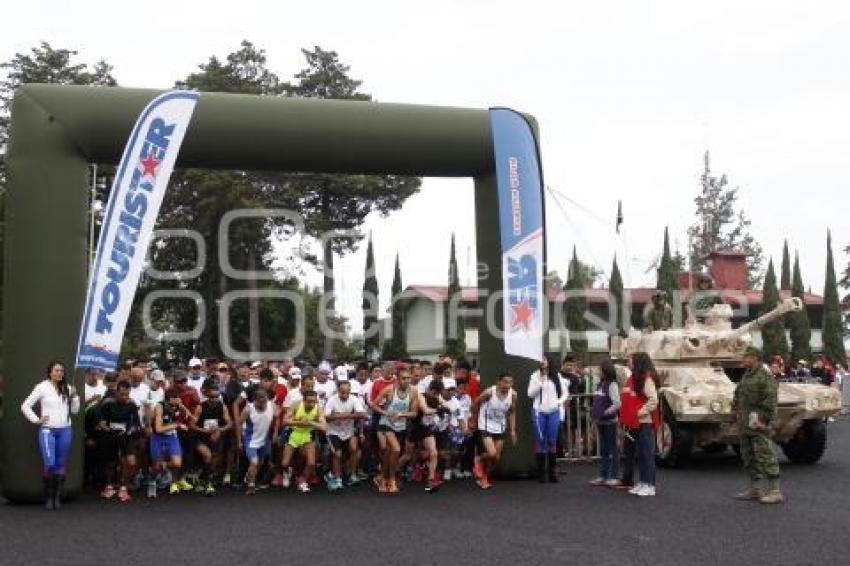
[[640, 295]]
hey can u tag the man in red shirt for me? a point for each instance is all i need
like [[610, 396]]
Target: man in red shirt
[[464, 373], [190, 400]]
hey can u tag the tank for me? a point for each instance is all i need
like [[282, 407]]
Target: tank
[[694, 365]]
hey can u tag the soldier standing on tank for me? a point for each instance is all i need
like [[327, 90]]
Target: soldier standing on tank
[[703, 298], [658, 315], [755, 411]]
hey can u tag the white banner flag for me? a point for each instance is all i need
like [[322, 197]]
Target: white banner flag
[[125, 235]]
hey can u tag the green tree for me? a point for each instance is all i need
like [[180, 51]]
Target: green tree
[[339, 203], [575, 306], [370, 306], [719, 226], [833, 329], [668, 270], [785, 281], [800, 326], [395, 348], [773, 336], [454, 332], [616, 290]]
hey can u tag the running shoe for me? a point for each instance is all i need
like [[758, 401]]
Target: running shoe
[[304, 487], [598, 482], [613, 483], [634, 490], [484, 483], [433, 484], [392, 487], [108, 492], [210, 489], [353, 479], [174, 489], [447, 475], [467, 474], [330, 482], [138, 480], [199, 487], [123, 494], [478, 470], [184, 485], [277, 481], [225, 481], [250, 489], [380, 483], [646, 491], [362, 475], [287, 480], [457, 474]]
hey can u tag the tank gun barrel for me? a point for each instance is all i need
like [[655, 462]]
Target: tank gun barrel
[[794, 304]]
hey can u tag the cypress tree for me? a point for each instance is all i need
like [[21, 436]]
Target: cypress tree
[[396, 347], [801, 329], [370, 305], [668, 270], [575, 308], [785, 281], [772, 334], [616, 290], [833, 331], [455, 345]]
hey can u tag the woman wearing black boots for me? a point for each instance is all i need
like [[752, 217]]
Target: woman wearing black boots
[[548, 395]]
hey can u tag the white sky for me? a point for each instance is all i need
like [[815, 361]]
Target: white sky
[[628, 95]]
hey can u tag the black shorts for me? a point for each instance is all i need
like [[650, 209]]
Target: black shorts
[[420, 432], [400, 435], [114, 447], [497, 437], [338, 445]]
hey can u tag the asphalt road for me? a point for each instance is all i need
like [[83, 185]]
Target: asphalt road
[[693, 520]]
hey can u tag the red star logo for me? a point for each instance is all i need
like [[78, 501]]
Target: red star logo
[[149, 165], [522, 314]]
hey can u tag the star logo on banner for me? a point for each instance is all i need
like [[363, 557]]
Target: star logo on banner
[[149, 165], [522, 314]]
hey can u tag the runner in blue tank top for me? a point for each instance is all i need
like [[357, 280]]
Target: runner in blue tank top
[[396, 405]]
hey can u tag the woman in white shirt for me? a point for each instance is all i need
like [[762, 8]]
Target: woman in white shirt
[[548, 395], [57, 401]]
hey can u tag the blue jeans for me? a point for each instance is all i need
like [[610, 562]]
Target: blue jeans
[[546, 427], [55, 444], [609, 465], [642, 441]]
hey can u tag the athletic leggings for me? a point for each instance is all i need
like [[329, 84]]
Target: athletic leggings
[[545, 427], [55, 444]]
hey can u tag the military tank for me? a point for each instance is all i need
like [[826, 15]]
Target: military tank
[[694, 365]]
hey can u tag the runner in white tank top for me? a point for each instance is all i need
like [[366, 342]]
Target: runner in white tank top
[[256, 419], [496, 417]]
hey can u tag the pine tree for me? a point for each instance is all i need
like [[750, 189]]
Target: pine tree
[[395, 348], [720, 227], [576, 307], [455, 339], [668, 271], [616, 290], [833, 331], [773, 336], [785, 281], [801, 329], [370, 305]]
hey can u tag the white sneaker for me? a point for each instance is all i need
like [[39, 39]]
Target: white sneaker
[[457, 474], [447, 475], [467, 474], [287, 480], [612, 483], [647, 491], [303, 487], [636, 489]]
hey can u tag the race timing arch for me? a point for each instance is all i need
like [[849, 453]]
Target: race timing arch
[[57, 131]]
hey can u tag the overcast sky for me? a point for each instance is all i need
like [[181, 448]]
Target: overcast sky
[[628, 94]]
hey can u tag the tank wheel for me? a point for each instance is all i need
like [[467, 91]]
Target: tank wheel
[[808, 444], [673, 442]]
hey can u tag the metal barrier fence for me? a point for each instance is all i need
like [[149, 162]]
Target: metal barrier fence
[[579, 436]]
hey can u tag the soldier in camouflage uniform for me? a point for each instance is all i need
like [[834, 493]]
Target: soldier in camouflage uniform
[[755, 410], [658, 315], [703, 298]]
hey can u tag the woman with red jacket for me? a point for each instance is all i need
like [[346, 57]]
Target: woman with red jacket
[[639, 415]]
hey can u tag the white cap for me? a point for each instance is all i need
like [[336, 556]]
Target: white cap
[[341, 373], [255, 365], [449, 383], [295, 371], [195, 362], [157, 375], [324, 367]]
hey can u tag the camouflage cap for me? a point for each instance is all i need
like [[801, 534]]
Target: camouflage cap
[[753, 351]]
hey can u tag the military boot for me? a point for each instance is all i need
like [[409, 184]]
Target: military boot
[[773, 495], [752, 493]]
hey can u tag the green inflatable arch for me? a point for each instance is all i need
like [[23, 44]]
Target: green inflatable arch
[[56, 131]]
